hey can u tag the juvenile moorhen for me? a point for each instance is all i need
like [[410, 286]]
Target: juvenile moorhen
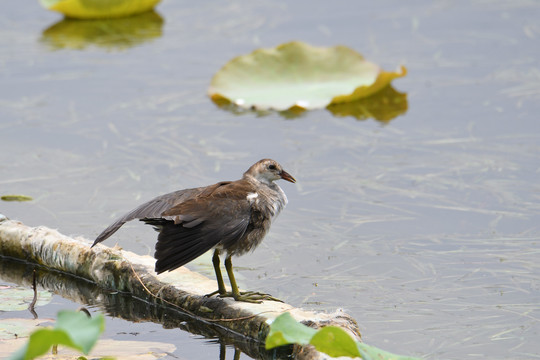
[[230, 216]]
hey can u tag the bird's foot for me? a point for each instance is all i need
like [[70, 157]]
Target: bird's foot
[[245, 296], [250, 296]]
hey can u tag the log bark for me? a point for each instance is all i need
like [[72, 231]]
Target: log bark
[[181, 291]]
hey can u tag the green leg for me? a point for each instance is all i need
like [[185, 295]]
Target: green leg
[[230, 273], [217, 269], [247, 296], [221, 284]]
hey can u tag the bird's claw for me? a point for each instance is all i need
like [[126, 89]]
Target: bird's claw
[[212, 293], [246, 296], [250, 296]]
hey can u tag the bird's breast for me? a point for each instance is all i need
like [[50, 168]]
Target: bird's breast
[[266, 204], [269, 201]]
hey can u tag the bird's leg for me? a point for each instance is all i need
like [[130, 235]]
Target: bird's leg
[[230, 273], [221, 284], [247, 296]]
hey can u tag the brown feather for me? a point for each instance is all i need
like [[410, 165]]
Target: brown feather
[[233, 216]]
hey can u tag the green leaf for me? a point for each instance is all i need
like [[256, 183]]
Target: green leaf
[[298, 75], [335, 342], [16, 198], [73, 329], [331, 340], [83, 330], [285, 330], [40, 342]]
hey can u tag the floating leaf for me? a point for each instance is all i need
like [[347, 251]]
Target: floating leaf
[[299, 75], [13, 328], [15, 198], [383, 106], [99, 9], [18, 298], [124, 350], [111, 34]]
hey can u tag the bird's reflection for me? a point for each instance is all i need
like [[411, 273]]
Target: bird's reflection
[[111, 34], [223, 352]]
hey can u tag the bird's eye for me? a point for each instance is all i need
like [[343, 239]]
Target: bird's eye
[[272, 167]]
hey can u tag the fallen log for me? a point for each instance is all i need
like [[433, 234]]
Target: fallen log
[[181, 290]]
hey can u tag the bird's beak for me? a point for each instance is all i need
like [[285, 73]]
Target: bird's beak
[[286, 176]]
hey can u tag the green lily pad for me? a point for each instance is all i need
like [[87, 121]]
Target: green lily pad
[[16, 328], [16, 198], [110, 34], [18, 298], [99, 9], [298, 75]]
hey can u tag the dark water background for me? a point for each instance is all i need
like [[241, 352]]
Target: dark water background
[[424, 229]]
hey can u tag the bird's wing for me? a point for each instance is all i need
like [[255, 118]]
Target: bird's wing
[[151, 209], [219, 216]]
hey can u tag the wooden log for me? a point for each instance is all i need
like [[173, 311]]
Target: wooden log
[[183, 290]]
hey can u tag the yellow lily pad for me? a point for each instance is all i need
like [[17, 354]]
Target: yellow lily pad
[[382, 106], [110, 34], [16, 198], [99, 9], [298, 75]]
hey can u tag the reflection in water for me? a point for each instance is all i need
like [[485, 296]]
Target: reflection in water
[[382, 106], [111, 34], [125, 306], [225, 104]]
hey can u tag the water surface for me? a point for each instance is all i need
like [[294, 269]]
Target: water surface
[[424, 229]]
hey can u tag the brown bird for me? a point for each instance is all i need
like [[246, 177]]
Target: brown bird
[[230, 216]]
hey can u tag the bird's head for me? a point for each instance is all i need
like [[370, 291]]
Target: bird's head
[[268, 170]]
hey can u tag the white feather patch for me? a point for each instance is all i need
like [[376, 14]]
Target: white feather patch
[[252, 197]]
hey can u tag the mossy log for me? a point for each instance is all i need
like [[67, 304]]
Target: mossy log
[[183, 290]]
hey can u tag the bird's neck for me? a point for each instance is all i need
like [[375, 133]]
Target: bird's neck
[[271, 197], [259, 181]]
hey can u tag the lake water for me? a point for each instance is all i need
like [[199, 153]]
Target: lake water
[[424, 228]]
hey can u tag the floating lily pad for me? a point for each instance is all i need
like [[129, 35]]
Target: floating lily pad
[[111, 34], [17, 328], [298, 75], [15, 198], [104, 349], [99, 9], [18, 298], [382, 106]]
